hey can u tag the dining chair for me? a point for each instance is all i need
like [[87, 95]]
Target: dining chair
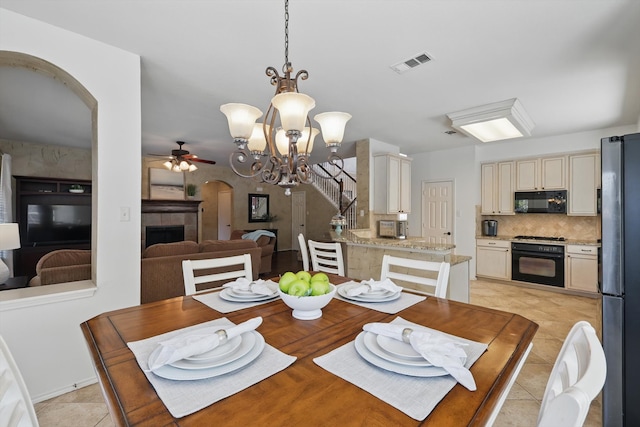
[[439, 272], [214, 270], [304, 252], [577, 377], [326, 257], [16, 407]]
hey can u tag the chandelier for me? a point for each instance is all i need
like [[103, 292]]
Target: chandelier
[[277, 151], [176, 165]]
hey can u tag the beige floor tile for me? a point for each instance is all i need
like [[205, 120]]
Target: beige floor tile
[[518, 413]]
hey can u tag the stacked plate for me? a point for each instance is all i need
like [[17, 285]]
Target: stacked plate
[[231, 356], [395, 356], [378, 295], [241, 295]]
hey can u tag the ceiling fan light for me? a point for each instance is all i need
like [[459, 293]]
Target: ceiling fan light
[[192, 167], [293, 108], [241, 118], [257, 141], [332, 125], [184, 165], [168, 164]]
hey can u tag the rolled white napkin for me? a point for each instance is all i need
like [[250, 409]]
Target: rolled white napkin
[[438, 350], [196, 342], [371, 285], [259, 287]]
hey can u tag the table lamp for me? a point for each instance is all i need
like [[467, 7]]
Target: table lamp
[[9, 239]]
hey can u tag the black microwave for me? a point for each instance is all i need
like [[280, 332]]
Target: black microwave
[[541, 201]]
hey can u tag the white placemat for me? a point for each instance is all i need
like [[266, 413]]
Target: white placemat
[[406, 300], [414, 396], [213, 300], [185, 397]]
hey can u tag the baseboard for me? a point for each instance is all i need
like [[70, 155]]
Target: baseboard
[[64, 390]]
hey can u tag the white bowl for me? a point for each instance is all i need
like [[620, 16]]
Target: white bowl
[[309, 307]]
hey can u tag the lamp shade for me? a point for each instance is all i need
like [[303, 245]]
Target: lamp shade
[[257, 141], [332, 125], [241, 118], [293, 108], [282, 142], [9, 236], [303, 147]]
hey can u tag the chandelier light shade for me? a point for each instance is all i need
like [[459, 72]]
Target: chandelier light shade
[[493, 122], [277, 150]]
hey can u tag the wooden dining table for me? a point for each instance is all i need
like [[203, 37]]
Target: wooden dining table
[[303, 394]]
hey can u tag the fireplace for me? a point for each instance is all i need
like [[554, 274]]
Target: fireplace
[[163, 234]]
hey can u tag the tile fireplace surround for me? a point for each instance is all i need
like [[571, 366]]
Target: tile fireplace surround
[[170, 212]]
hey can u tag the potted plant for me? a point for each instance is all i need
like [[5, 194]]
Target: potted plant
[[76, 188], [191, 190]]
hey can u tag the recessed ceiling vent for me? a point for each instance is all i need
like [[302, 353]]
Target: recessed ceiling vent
[[404, 66]]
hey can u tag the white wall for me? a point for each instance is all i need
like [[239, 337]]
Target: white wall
[[45, 339]]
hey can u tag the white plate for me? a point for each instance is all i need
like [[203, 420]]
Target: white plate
[[218, 352], [414, 371], [235, 293], [247, 343], [226, 295], [342, 291], [171, 373], [371, 343], [397, 348]]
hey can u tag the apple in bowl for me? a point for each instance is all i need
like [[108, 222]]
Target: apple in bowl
[[308, 307]]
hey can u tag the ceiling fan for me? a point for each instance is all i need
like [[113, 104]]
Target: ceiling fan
[[181, 160]]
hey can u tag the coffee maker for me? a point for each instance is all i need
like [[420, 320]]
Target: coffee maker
[[489, 227]]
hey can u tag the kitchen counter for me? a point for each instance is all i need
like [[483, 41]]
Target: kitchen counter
[[555, 242], [367, 237]]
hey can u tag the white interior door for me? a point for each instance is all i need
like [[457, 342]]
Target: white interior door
[[437, 211], [224, 215], [298, 217]]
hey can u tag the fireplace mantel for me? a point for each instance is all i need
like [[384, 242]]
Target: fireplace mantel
[[170, 206]]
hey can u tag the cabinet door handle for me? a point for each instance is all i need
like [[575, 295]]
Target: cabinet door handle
[[448, 233]]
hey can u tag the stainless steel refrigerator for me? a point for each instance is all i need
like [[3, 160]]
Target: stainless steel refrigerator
[[620, 279]]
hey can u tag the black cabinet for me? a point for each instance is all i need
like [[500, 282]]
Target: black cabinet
[[52, 214]]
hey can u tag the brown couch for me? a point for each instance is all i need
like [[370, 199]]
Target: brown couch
[[266, 245], [61, 266], [161, 264]]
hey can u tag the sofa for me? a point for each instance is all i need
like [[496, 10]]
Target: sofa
[[161, 264], [63, 265], [266, 245]]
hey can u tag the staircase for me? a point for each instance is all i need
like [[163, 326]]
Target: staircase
[[339, 191]]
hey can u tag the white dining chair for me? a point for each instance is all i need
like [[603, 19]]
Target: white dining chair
[[200, 271], [304, 252], [16, 407], [577, 377], [326, 257], [438, 272]]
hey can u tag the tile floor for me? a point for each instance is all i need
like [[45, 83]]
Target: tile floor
[[554, 312]]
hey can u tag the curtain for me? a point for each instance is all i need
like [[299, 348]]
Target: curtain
[[6, 208]]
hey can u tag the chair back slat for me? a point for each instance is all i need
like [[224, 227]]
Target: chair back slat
[[213, 271], [304, 252], [326, 257], [434, 274]]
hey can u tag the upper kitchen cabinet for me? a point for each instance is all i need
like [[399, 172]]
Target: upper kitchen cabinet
[[584, 181], [547, 173], [392, 184], [497, 188]]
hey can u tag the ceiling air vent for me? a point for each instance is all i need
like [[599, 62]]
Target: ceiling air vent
[[419, 59]]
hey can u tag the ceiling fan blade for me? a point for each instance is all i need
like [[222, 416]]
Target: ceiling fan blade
[[195, 159], [164, 156]]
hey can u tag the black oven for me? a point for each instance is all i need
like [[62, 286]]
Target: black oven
[[538, 263]]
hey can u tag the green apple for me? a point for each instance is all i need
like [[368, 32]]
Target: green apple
[[286, 280], [320, 277], [304, 275], [299, 288], [318, 287]]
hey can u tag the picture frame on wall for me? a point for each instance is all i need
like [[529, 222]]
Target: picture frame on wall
[[165, 184], [258, 208]]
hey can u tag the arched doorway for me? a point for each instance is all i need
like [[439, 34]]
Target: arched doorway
[[217, 210]]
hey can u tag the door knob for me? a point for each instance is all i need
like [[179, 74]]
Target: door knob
[[448, 233]]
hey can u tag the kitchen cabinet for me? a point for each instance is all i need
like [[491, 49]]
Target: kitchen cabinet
[[493, 259], [584, 181], [547, 173], [581, 265], [392, 184], [497, 188]]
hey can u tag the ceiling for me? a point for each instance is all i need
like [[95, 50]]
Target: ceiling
[[574, 65]]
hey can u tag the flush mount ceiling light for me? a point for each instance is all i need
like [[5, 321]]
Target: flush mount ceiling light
[[493, 122], [285, 138]]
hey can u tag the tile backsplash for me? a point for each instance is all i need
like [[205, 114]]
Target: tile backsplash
[[554, 225]]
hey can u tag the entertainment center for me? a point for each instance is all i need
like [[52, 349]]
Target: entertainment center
[[52, 213]]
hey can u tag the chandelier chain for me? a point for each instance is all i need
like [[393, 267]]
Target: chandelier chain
[[286, 33]]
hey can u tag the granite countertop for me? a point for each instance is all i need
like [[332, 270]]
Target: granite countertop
[[367, 237], [592, 242]]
